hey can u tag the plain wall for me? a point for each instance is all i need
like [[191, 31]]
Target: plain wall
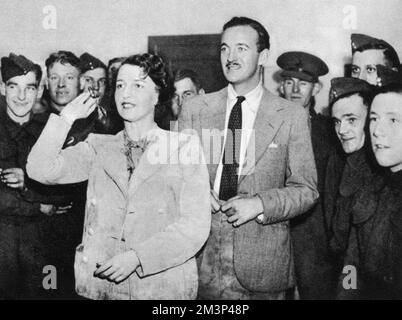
[[109, 28]]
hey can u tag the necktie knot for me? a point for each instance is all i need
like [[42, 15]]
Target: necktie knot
[[240, 99]]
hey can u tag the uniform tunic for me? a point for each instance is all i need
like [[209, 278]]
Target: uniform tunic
[[22, 255], [314, 268], [376, 216]]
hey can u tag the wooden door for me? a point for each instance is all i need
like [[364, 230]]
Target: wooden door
[[197, 52]]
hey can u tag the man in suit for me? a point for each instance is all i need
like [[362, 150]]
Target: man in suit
[[263, 175]]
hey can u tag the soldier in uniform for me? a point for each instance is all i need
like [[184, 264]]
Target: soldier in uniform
[[22, 204], [94, 78], [94, 74], [64, 231], [349, 171], [377, 211], [367, 52], [315, 275]]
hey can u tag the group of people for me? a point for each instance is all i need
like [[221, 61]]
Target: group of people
[[136, 184]]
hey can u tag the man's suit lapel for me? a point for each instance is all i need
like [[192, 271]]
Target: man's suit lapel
[[214, 118], [267, 123]]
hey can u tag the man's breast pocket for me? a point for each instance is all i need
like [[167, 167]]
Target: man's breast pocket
[[276, 151], [273, 162], [7, 152]]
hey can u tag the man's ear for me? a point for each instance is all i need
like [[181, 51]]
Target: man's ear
[[2, 88], [281, 89], [263, 58], [82, 83], [46, 83], [316, 89]]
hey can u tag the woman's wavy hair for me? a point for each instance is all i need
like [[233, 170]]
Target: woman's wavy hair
[[154, 67]]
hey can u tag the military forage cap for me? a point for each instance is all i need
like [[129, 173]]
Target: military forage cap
[[361, 42], [387, 76], [89, 62], [341, 87], [302, 65], [14, 65]]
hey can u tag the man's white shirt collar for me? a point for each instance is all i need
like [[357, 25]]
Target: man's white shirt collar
[[253, 98]]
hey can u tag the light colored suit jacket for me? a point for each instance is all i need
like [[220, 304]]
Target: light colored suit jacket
[[279, 168], [162, 213]]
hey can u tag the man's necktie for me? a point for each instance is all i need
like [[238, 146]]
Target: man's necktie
[[230, 161]]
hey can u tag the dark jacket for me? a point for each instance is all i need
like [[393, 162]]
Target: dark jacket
[[346, 176], [16, 142], [376, 215], [314, 272]]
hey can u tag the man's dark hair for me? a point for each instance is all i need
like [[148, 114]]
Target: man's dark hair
[[181, 74], [263, 36], [367, 98], [64, 57], [390, 55]]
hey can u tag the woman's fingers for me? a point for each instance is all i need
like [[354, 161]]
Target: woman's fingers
[[102, 267]]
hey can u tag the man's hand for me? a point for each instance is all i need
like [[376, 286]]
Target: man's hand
[[51, 209], [215, 202], [13, 178], [118, 268], [81, 107], [240, 209], [47, 209]]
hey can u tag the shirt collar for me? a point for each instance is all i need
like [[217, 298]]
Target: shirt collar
[[253, 97]]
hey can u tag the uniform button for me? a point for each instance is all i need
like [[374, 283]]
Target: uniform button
[[260, 218], [84, 259], [93, 202], [91, 231]]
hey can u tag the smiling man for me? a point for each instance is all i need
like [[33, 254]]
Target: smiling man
[[350, 169], [377, 210], [263, 176], [367, 52], [64, 231], [63, 74], [22, 253]]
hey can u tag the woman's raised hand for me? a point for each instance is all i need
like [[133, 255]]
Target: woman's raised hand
[[81, 107]]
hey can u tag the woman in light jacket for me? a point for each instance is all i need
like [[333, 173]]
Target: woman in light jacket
[[148, 209]]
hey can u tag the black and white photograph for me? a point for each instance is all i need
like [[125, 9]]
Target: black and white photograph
[[200, 150]]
